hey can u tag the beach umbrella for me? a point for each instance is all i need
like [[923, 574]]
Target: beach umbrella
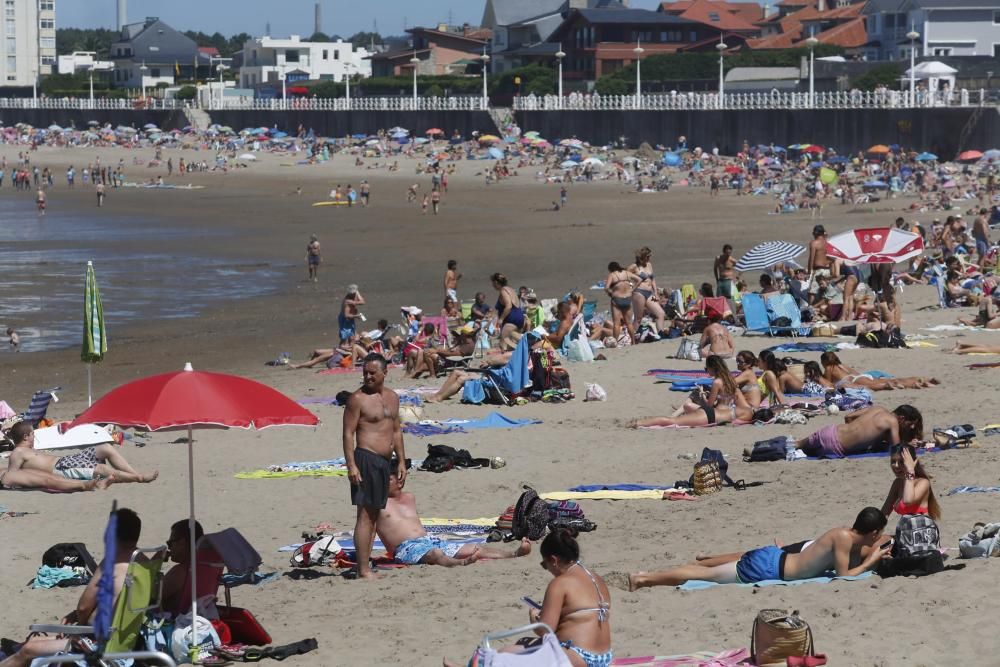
[[372, 142], [926, 157], [531, 134], [495, 153], [435, 131], [188, 399], [106, 586], [812, 148], [733, 169], [827, 176], [877, 185], [400, 135], [570, 164], [593, 161], [671, 159], [949, 184], [768, 254], [571, 143], [992, 154], [489, 139], [877, 245], [838, 159], [815, 165], [879, 149], [394, 130], [969, 156], [95, 341]]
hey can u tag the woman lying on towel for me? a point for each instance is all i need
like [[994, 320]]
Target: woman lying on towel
[[725, 402], [844, 376], [972, 348], [577, 604], [776, 373]]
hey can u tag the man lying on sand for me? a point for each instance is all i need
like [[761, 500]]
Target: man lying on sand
[[403, 535], [864, 430], [103, 462], [846, 551]]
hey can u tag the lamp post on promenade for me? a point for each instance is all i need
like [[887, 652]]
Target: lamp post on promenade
[[560, 54], [811, 43], [638, 74], [721, 47]]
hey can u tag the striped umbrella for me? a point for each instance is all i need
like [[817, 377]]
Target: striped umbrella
[[95, 341], [768, 254]]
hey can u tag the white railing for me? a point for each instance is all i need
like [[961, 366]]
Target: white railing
[[408, 103], [855, 99], [83, 103]]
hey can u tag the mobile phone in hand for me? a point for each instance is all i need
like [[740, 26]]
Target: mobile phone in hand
[[888, 545], [531, 603]]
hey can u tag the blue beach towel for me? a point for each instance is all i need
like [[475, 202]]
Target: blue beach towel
[[427, 430], [514, 377], [973, 489], [697, 585], [492, 420]]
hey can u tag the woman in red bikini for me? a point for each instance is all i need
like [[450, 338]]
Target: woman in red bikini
[[911, 491]]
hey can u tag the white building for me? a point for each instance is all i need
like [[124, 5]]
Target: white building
[[82, 60], [29, 41], [265, 60]]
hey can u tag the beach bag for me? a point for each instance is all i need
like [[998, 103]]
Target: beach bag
[[70, 554], [706, 478], [777, 635], [244, 626], [564, 509], [595, 392], [689, 350], [317, 552], [767, 450], [579, 350], [531, 516], [916, 550], [884, 338], [441, 458], [411, 414], [187, 635]]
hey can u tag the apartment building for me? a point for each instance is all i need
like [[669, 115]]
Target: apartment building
[[29, 41]]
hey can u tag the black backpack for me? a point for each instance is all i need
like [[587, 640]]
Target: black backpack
[[531, 516], [883, 338], [69, 554], [767, 450], [441, 458]]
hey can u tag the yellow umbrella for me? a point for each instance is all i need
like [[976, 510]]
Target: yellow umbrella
[[489, 139], [827, 176]]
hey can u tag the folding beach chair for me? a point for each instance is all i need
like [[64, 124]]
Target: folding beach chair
[[39, 405], [589, 308], [548, 653], [240, 561], [783, 306], [139, 595], [467, 310], [499, 385]]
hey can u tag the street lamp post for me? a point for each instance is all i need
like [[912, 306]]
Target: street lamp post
[[347, 82], [486, 61], [638, 74], [414, 61], [221, 68], [91, 86], [721, 47], [811, 43], [560, 54], [284, 86], [142, 79], [912, 36], [34, 88]]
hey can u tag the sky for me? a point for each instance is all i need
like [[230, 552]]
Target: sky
[[287, 17]]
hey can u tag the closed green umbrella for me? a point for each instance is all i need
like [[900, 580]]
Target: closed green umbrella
[[95, 340]]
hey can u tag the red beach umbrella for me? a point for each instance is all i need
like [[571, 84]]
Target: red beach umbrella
[[733, 169], [969, 156], [435, 131], [812, 148], [190, 399], [877, 245]]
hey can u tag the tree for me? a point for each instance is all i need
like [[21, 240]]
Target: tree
[[365, 39], [186, 93], [319, 37], [880, 75], [536, 79]]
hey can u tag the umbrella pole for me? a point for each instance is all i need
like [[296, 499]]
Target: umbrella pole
[[191, 539], [90, 394]]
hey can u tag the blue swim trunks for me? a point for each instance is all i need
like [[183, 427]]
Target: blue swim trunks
[[766, 563], [411, 551]]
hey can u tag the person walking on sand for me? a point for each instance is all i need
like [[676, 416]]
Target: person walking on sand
[[372, 435], [313, 258], [451, 278], [562, 197], [725, 272], [436, 200], [366, 191], [100, 195], [40, 201], [423, 205]]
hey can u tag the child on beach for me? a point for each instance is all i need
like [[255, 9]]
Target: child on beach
[[423, 205], [14, 339]]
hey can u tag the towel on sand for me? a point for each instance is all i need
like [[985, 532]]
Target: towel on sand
[[50, 577], [590, 488], [424, 430], [645, 494], [726, 658], [492, 420], [327, 468], [696, 585]]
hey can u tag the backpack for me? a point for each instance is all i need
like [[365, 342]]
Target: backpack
[[916, 551], [767, 450], [568, 514], [318, 552], [70, 554], [715, 456], [689, 350], [545, 374], [441, 458], [531, 516], [883, 338]]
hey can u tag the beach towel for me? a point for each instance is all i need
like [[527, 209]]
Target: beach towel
[[513, 378], [973, 489], [328, 468], [492, 420], [339, 370], [645, 494], [424, 430], [590, 488], [811, 347], [732, 423], [697, 585], [50, 577], [678, 372], [731, 658]]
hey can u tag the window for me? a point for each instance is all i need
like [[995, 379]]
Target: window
[[12, 78], [47, 42], [47, 24], [11, 28], [996, 17], [48, 60], [336, 54], [996, 50], [292, 56], [46, 5], [326, 54], [942, 52], [11, 45], [693, 36], [713, 17]]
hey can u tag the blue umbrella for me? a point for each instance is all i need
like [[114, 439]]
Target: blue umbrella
[[876, 184], [815, 165], [838, 159], [926, 157], [778, 149], [495, 153], [671, 159], [360, 136], [106, 586]]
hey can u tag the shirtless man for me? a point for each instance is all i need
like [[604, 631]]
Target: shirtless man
[[404, 536], [102, 462], [372, 435], [126, 540], [871, 428], [725, 272], [846, 551], [451, 278], [981, 234], [819, 263], [313, 258], [716, 339], [350, 313]]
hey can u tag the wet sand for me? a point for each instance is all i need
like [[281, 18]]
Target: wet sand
[[398, 257]]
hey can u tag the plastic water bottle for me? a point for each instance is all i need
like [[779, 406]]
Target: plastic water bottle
[[790, 449]]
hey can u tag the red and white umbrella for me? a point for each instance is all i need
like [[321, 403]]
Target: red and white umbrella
[[191, 399], [877, 245]]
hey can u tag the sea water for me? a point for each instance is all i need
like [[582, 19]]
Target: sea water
[[147, 269]]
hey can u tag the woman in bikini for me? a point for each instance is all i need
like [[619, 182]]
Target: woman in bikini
[[644, 299], [815, 384], [725, 402], [911, 491], [755, 388], [845, 376], [509, 313], [776, 377], [452, 313], [619, 286], [987, 316]]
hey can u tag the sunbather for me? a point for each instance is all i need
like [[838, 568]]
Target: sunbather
[[176, 593], [348, 349], [577, 604], [911, 491], [844, 376], [126, 539], [973, 348], [873, 428], [725, 402], [95, 463], [845, 551], [987, 317], [716, 339], [398, 524], [777, 377], [464, 345]]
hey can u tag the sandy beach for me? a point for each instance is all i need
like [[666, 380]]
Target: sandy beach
[[415, 616]]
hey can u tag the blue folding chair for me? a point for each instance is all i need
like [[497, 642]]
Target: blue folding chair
[[755, 314]]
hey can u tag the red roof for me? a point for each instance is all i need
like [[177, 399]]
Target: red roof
[[716, 15], [849, 35], [849, 31], [208, 51]]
